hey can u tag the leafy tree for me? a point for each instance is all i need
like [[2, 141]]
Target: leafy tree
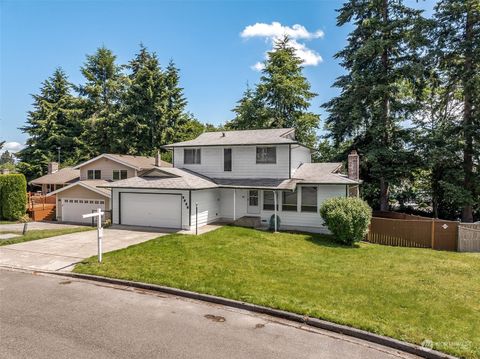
[[381, 59], [457, 48], [102, 92], [54, 122], [281, 98], [7, 158], [143, 110]]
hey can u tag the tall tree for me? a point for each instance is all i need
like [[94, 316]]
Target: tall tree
[[102, 91], [281, 98], [458, 51], [381, 59], [144, 105], [175, 104], [54, 122]]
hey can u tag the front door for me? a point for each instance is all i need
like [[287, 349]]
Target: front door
[[253, 205]]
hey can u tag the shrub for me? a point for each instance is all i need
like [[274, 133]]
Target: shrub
[[13, 196], [271, 223], [347, 218]]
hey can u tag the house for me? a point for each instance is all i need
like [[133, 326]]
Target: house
[[82, 194], [230, 176]]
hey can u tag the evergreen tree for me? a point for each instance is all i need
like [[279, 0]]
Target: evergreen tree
[[54, 122], [458, 53], [281, 99], [381, 59], [7, 158], [175, 106], [102, 91], [144, 105]]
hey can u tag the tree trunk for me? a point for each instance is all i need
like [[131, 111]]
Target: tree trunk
[[467, 213], [383, 195]]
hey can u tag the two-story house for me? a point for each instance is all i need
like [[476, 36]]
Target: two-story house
[[83, 194], [232, 175]]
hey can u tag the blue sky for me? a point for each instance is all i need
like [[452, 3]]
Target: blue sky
[[204, 38]]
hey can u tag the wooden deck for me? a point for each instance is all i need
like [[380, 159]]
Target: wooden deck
[[41, 208]]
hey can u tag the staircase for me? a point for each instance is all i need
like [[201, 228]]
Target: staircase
[[45, 212], [248, 221]]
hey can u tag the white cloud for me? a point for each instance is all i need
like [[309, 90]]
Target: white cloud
[[12, 146], [275, 30]]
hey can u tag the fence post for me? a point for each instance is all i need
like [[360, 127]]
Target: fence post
[[433, 233]]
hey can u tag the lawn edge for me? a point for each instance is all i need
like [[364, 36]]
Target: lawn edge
[[314, 322]]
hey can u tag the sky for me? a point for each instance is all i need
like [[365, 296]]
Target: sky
[[219, 46]]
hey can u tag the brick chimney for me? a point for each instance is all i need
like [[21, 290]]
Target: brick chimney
[[158, 159], [354, 165], [52, 167]]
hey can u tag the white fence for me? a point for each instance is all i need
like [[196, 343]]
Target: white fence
[[469, 237]]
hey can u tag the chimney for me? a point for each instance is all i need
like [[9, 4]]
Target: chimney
[[52, 167], [354, 166], [158, 159]]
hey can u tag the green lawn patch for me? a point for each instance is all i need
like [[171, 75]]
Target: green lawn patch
[[412, 294], [34, 234]]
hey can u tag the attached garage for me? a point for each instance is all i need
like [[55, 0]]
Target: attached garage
[[150, 209], [74, 208]]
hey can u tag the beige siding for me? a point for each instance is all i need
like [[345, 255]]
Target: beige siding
[[81, 193], [106, 166]]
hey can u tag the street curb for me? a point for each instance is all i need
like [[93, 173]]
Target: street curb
[[314, 322]]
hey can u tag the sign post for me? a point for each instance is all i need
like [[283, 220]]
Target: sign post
[[98, 214]]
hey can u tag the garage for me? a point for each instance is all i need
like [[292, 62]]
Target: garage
[[74, 208], [150, 209]]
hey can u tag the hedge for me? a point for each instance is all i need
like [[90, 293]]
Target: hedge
[[347, 218], [13, 196]]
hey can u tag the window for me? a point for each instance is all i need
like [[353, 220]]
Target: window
[[253, 198], [192, 156], [94, 174], [268, 201], [266, 155], [119, 175], [227, 159], [289, 201], [309, 199]]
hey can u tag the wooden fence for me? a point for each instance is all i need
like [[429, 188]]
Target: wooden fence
[[413, 231], [469, 237]]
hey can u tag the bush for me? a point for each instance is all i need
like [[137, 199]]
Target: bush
[[271, 223], [13, 196], [347, 218]]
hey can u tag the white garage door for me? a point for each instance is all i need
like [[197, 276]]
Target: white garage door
[[74, 208], [151, 210]]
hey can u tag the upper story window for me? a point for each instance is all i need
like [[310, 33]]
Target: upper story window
[[227, 159], [289, 201], [309, 199], [192, 156], [119, 174], [94, 174], [266, 155]]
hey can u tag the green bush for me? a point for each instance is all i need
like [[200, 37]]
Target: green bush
[[347, 218], [13, 196]]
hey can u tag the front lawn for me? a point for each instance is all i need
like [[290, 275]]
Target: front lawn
[[34, 234], [412, 294]]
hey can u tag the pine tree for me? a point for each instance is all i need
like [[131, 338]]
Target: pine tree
[[458, 52], [54, 122], [144, 105], [175, 106], [282, 97], [102, 91], [381, 59]]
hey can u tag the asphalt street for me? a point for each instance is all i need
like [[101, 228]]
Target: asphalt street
[[47, 316]]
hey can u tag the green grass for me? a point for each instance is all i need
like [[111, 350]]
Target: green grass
[[34, 234], [412, 294], [8, 222]]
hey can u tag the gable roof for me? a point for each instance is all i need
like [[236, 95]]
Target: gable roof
[[322, 173], [243, 137], [62, 176], [92, 185], [136, 162]]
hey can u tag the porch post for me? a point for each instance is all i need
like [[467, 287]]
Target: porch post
[[234, 205], [275, 210]]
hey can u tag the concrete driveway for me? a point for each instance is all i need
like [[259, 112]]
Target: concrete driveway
[[63, 252]]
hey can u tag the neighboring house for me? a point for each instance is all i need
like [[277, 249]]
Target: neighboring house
[[84, 194], [56, 178], [233, 175]]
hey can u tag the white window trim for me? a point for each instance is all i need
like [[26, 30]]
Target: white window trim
[[265, 163]]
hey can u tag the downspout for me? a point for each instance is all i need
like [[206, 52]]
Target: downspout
[[234, 205], [275, 211]]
